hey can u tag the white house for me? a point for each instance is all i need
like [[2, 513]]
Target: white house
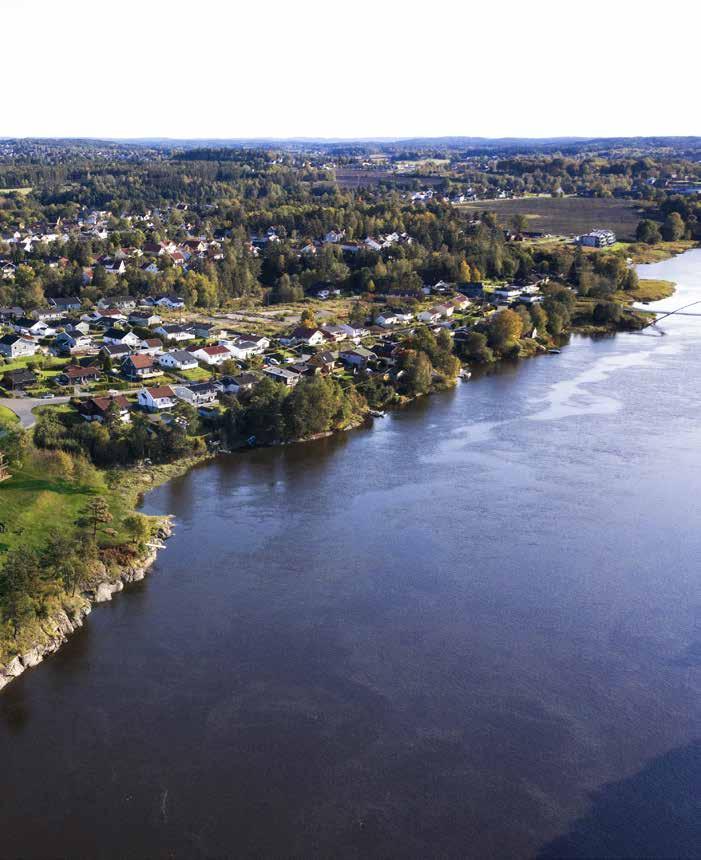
[[386, 319], [172, 302], [445, 310], [507, 293], [36, 328], [177, 359], [176, 333], [430, 316], [156, 399], [212, 355], [309, 336], [125, 338], [16, 346]]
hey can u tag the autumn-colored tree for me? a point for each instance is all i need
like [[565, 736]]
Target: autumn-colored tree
[[308, 318], [504, 329]]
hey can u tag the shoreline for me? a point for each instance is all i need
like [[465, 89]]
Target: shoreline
[[135, 483], [102, 586]]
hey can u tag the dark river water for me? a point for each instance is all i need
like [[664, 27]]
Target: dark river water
[[471, 630]]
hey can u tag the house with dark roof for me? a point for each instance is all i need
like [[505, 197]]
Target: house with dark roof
[[74, 374], [16, 346], [18, 380], [98, 408], [65, 303]]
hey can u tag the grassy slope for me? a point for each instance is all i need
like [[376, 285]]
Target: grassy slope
[[34, 501], [7, 418], [650, 290]]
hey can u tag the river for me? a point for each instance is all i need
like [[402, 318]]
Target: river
[[470, 630]]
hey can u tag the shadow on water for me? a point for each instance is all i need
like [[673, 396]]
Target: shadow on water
[[654, 814]]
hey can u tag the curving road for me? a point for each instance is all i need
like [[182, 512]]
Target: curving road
[[23, 406]]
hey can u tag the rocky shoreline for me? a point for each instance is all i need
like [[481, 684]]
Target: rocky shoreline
[[101, 587]]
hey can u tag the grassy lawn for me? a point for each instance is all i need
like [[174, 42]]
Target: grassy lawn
[[649, 290], [197, 374], [7, 418], [640, 253], [566, 216], [36, 500], [51, 367]]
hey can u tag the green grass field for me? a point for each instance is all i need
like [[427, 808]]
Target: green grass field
[[7, 418], [566, 216], [37, 499]]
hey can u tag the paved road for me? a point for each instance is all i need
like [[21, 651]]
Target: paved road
[[22, 407]]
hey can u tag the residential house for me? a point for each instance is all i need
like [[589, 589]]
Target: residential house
[[445, 310], [203, 329], [239, 348], [124, 303], [107, 318], [212, 355], [98, 408], [173, 303], [357, 357], [144, 319], [34, 328], [308, 336], [386, 319], [325, 361], [282, 375], [157, 399], [460, 302], [150, 346], [74, 374], [125, 337], [244, 382], [433, 315], [66, 303], [19, 380], [7, 314], [506, 294], [140, 367], [175, 332], [72, 343], [16, 346], [197, 393], [335, 333], [115, 350], [177, 359]]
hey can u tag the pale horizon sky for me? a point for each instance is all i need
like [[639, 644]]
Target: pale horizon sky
[[214, 69]]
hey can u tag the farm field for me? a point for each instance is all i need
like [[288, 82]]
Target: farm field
[[566, 216]]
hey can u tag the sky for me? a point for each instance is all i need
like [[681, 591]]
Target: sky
[[209, 68]]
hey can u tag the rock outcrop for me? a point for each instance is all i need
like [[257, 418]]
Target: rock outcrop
[[100, 587]]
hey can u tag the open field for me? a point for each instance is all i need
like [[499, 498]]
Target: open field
[[23, 191], [33, 502], [565, 216], [352, 177]]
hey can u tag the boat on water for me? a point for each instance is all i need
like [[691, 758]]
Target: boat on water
[[465, 374], [375, 413], [554, 351]]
